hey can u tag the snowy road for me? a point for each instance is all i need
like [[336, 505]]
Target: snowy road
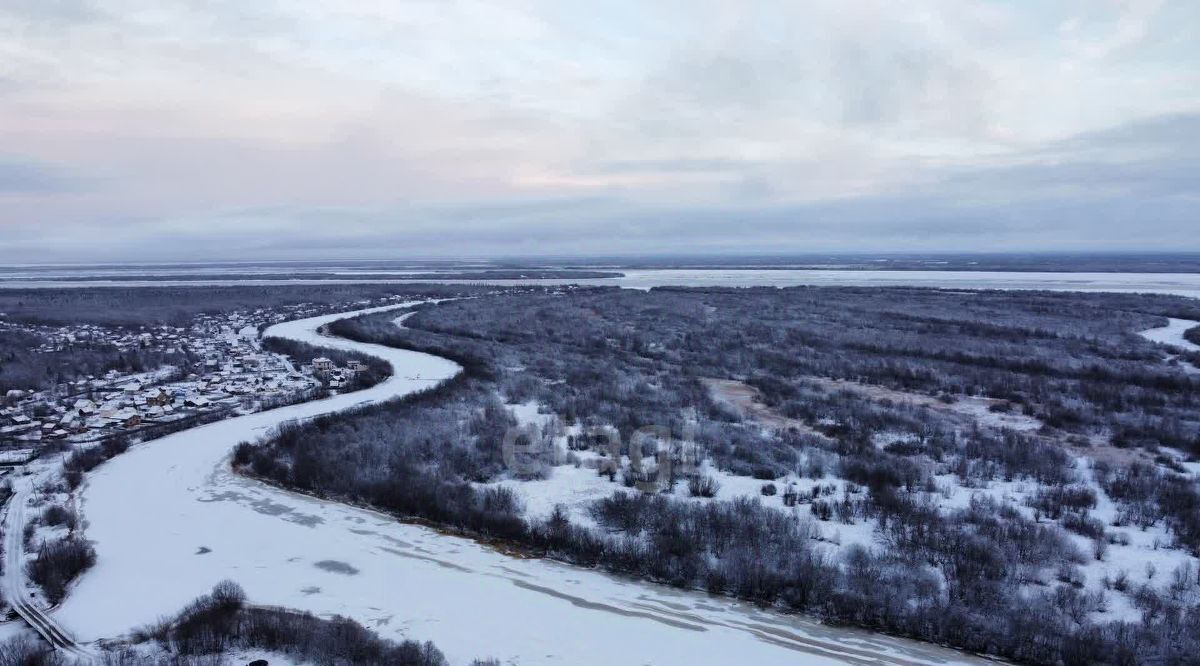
[[15, 592], [169, 519]]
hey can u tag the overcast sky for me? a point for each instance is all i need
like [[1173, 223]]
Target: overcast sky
[[230, 129]]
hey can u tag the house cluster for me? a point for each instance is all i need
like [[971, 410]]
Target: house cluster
[[226, 370], [91, 406], [331, 374], [169, 339], [98, 407]]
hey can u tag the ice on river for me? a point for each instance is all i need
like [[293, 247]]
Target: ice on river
[[1172, 334]]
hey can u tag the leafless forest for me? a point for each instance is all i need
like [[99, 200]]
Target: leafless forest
[[872, 384]]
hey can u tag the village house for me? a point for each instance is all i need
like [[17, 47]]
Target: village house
[[128, 418], [84, 407], [232, 367], [159, 399], [21, 420]]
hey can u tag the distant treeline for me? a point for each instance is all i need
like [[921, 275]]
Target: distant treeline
[[23, 368], [1004, 262], [495, 274], [142, 306]]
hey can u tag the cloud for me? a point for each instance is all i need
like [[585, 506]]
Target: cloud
[[58, 12], [28, 177], [211, 129]]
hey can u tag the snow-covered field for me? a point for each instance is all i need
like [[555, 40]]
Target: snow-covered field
[[12, 629], [169, 520]]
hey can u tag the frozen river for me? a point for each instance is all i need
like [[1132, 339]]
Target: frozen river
[[169, 520], [1172, 334]]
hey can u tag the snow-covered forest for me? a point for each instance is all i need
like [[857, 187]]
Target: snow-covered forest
[[1011, 473]]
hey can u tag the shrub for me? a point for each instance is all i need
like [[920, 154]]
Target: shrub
[[56, 515], [703, 486], [220, 621], [58, 563], [1083, 524], [822, 510], [23, 651]]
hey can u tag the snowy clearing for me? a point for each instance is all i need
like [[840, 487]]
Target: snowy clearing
[[974, 409], [745, 400]]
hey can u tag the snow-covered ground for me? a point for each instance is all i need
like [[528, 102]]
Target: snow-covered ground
[[13, 629], [574, 484], [1172, 334], [169, 520]]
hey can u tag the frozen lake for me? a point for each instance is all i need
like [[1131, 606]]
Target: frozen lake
[[1184, 284], [1181, 284], [169, 519]]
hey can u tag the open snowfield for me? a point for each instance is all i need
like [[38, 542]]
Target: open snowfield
[[169, 520]]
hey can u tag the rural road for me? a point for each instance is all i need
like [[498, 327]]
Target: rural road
[[15, 591]]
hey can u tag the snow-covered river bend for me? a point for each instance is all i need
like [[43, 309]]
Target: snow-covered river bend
[[169, 520], [1172, 334]]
